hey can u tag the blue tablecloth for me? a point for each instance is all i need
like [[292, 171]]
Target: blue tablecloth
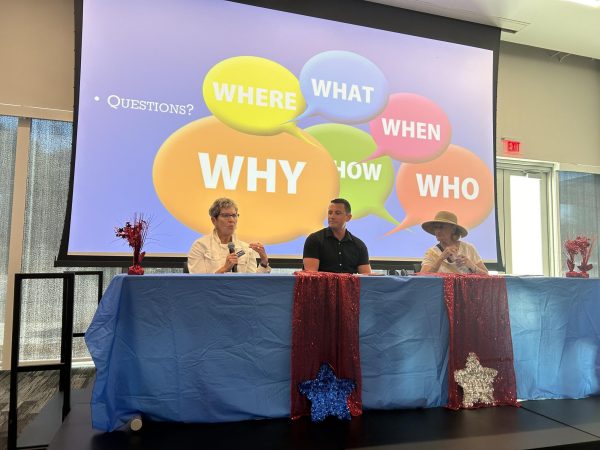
[[555, 327], [212, 348]]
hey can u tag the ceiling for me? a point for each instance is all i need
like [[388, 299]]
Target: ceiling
[[560, 25]]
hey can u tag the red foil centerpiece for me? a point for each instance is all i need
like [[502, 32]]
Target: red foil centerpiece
[[581, 245], [135, 232]]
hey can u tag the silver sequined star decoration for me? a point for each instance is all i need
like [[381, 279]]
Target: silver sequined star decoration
[[477, 382]]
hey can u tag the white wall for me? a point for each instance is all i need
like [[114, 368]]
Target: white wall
[[37, 40], [552, 107]]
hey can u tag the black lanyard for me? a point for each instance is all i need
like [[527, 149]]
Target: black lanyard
[[450, 260]]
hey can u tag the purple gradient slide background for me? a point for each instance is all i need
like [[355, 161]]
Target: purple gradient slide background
[[160, 51]]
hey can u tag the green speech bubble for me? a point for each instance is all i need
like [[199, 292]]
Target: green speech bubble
[[365, 184]]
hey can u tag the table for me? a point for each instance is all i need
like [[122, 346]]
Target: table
[[214, 348]]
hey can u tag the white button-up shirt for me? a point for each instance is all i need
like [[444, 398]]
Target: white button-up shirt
[[208, 255]]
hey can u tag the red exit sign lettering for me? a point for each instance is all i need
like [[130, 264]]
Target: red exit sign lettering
[[511, 146]]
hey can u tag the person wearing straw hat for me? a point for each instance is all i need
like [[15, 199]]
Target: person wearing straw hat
[[450, 255]]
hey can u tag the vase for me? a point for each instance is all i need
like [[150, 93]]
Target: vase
[[573, 274], [137, 268]]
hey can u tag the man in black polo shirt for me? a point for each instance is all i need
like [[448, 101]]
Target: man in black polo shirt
[[334, 249]]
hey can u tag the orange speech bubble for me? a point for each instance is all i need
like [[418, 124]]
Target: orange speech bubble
[[281, 184], [457, 181]]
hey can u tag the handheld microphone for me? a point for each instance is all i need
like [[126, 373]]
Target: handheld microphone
[[231, 247]]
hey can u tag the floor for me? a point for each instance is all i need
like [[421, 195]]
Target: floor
[[537, 424], [35, 390]]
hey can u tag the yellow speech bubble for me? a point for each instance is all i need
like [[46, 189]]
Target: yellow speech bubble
[[254, 95], [282, 185]]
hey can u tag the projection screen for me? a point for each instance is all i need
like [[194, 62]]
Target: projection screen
[[180, 102]]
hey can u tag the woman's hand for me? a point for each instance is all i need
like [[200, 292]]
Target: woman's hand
[[465, 261], [260, 249], [449, 253], [230, 261]]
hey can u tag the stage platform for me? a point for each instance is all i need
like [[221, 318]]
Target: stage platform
[[537, 424]]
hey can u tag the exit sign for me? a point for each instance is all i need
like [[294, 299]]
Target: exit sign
[[511, 146]]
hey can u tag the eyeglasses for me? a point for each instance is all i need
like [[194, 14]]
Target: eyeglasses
[[229, 216]]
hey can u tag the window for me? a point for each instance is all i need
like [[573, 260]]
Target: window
[[526, 216], [46, 201], [579, 200], [526, 223]]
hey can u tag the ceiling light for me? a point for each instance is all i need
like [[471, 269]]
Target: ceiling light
[[592, 3]]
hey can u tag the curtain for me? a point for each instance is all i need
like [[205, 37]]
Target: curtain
[[46, 202], [8, 146], [579, 196]]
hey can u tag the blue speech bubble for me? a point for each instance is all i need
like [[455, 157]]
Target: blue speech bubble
[[343, 87]]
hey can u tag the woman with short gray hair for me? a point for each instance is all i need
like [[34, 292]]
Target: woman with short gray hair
[[221, 251]]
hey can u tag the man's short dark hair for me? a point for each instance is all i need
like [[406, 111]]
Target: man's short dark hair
[[343, 201]]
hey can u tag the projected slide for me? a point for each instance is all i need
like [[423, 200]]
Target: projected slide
[[185, 101]]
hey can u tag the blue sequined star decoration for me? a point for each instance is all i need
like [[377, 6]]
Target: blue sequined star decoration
[[327, 394]]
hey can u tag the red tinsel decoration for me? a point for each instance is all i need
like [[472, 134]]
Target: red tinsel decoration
[[325, 321], [479, 323], [134, 232], [477, 308]]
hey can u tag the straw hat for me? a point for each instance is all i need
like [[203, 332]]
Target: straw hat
[[444, 217]]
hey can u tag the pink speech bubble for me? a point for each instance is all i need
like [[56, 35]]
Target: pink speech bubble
[[412, 128], [457, 181]]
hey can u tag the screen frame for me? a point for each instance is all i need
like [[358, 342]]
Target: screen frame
[[354, 12]]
